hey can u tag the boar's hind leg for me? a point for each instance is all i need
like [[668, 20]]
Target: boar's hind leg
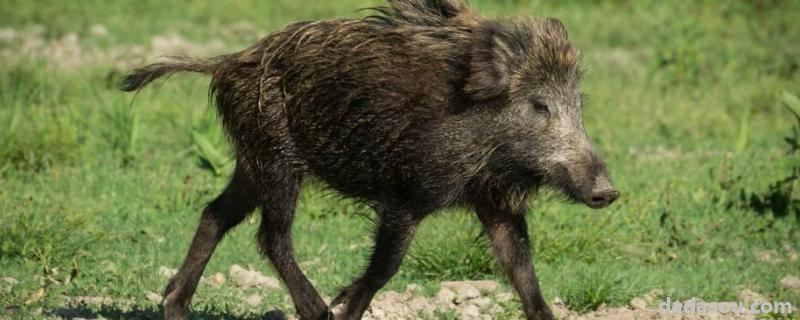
[[508, 233], [222, 214], [392, 238], [275, 240]]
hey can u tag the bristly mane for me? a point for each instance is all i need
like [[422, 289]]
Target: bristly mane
[[419, 12]]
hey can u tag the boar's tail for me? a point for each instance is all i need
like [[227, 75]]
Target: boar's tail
[[139, 78]]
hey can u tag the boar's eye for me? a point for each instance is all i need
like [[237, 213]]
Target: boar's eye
[[541, 108]]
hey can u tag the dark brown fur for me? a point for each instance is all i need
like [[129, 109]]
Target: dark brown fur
[[424, 106]]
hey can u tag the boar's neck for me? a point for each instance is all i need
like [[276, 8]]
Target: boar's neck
[[465, 159]]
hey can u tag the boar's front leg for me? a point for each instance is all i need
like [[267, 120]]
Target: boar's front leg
[[392, 237], [508, 232]]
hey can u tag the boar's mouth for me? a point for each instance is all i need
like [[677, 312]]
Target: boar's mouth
[[601, 199], [593, 189]]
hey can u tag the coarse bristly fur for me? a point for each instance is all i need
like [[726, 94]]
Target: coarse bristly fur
[[422, 106]]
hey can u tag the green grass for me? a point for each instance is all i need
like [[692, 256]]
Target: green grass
[[688, 101]]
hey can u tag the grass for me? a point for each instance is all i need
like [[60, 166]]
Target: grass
[[688, 101]]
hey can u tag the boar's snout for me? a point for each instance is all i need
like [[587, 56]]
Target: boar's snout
[[586, 180], [602, 199], [600, 193]]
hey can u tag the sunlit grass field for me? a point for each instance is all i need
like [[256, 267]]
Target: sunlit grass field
[[690, 102]]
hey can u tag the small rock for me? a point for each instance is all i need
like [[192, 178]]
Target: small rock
[[470, 312], [251, 279], [639, 303], [253, 300], [467, 291], [338, 310], [378, 314], [748, 296], [10, 280], [452, 285], [482, 285], [418, 304], [481, 302], [486, 285], [445, 296], [91, 301], [430, 310], [153, 297], [166, 272], [791, 253], [412, 287], [98, 30], [216, 280], [791, 282], [651, 296], [35, 296], [765, 256], [503, 297], [7, 34], [392, 296], [109, 266], [560, 308]]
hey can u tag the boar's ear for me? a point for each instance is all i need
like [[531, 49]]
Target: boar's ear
[[496, 53], [554, 27]]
